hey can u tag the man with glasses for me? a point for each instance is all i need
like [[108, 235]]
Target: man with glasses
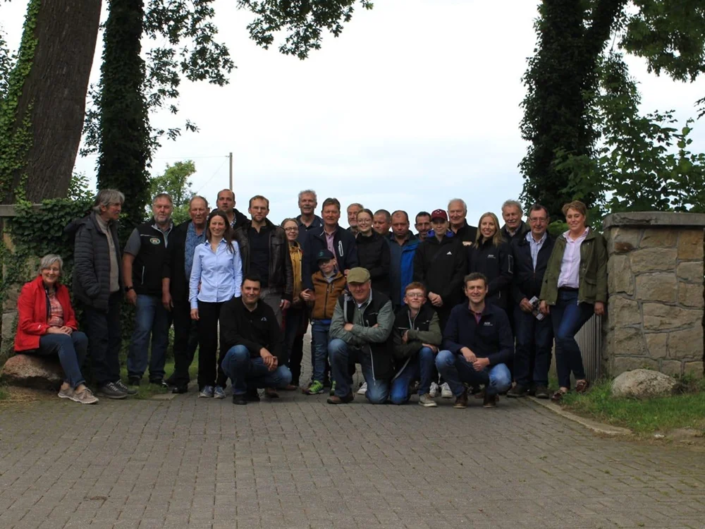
[[534, 332]]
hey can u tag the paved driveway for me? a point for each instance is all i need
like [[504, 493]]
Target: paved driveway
[[196, 463]]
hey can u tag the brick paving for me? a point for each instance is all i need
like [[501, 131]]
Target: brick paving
[[300, 463]]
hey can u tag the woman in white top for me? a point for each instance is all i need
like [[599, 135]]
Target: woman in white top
[[216, 277]]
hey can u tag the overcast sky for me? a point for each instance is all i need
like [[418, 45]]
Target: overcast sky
[[417, 102]]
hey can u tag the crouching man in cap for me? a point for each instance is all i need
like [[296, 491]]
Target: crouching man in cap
[[361, 332], [478, 343], [256, 357]]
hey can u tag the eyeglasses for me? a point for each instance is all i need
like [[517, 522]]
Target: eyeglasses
[[413, 295], [537, 220], [291, 229]]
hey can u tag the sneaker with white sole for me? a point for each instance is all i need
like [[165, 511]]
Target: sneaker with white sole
[[219, 393], [434, 390], [207, 392], [446, 393], [66, 393], [84, 397], [426, 401], [363, 389]]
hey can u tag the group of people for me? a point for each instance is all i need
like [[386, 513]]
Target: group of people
[[454, 308]]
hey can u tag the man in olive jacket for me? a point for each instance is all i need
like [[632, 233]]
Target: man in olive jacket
[[361, 332]]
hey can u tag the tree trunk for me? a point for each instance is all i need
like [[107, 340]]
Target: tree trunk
[[54, 95]]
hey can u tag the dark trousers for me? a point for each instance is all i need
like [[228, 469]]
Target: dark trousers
[[208, 369], [104, 340], [185, 343], [534, 339], [568, 317], [295, 321]]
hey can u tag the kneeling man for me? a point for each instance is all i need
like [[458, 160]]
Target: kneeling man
[[361, 332], [250, 333], [477, 343]]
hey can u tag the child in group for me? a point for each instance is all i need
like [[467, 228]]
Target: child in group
[[328, 285]]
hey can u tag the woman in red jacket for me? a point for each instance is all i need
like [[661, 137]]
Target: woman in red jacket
[[47, 325]]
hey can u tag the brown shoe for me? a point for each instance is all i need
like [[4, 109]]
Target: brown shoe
[[461, 402], [335, 399], [490, 401]]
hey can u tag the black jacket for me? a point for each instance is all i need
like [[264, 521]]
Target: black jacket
[[343, 244], [281, 273], [373, 253], [238, 219], [174, 263], [520, 233], [491, 337], [254, 330], [527, 281], [467, 233], [440, 266], [496, 263], [425, 328], [91, 272]]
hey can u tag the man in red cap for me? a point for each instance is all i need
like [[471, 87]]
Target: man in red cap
[[440, 264]]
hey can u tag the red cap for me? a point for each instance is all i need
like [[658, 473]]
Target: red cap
[[439, 214]]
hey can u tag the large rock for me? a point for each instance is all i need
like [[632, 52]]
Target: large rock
[[642, 383], [33, 371]]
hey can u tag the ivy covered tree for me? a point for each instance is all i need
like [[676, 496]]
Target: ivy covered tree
[[562, 78]]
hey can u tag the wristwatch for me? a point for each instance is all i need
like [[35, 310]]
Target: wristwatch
[[127, 289]]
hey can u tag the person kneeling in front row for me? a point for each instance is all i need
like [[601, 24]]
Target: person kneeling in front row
[[361, 332], [477, 343], [250, 334]]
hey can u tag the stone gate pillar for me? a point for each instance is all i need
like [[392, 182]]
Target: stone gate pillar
[[655, 283]]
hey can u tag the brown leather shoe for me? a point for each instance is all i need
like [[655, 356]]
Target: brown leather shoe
[[461, 402], [490, 401], [335, 399]]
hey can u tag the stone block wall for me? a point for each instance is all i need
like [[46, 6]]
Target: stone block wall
[[655, 283]]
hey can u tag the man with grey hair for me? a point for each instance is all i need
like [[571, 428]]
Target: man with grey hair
[[457, 212], [97, 286], [514, 228], [308, 220], [353, 210], [143, 266]]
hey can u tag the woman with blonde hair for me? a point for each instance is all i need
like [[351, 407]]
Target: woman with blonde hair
[[574, 288], [491, 256], [296, 317]]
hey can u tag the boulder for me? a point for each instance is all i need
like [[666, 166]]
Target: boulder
[[33, 371], [643, 383]]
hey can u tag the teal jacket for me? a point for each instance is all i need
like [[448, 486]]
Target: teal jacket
[[593, 270]]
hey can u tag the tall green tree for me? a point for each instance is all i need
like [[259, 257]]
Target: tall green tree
[[562, 77]]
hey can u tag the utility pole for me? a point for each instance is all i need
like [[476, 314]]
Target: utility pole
[[231, 171]]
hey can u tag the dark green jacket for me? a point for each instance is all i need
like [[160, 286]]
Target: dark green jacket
[[593, 270]]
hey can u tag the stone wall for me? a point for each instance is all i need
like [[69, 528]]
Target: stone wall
[[655, 283]]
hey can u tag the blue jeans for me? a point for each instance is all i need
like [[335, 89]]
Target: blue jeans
[[456, 370], [72, 350], [151, 318], [534, 339], [422, 365], [251, 373], [320, 348], [341, 356], [568, 318]]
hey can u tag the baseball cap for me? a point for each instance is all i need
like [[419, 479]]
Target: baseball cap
[[324, 255], [358, 275], [439, 214]]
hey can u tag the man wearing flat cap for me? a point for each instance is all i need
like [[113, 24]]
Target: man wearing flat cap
[[361, 332]]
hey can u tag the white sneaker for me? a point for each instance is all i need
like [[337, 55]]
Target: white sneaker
[[363, 389], [434, 390], [446, 393]]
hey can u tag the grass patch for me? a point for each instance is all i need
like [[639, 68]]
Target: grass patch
[[4, 394], [686, 409], [147, 390]]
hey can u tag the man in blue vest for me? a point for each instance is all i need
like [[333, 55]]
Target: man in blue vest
[[402, 246], [142, 265]]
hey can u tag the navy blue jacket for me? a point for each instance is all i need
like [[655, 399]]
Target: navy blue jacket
[[343, 244], [491, 337], [527, 281]]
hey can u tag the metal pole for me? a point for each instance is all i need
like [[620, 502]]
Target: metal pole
[[231, 171]]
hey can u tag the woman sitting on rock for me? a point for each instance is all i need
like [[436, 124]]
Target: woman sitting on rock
[[47, 325]]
